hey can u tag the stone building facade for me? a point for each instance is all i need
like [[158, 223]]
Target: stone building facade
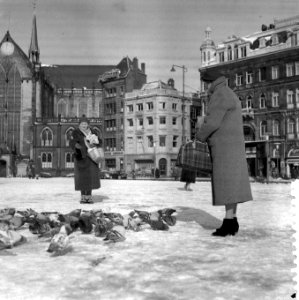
[[156, 121], [263, 69]]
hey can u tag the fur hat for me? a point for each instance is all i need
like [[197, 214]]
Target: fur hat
[[83, 119], [210, 75]]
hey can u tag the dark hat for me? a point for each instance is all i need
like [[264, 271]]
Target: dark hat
[[83, 119], [210, 75]]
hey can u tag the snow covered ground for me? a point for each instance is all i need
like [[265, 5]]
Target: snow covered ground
[[185, 262]]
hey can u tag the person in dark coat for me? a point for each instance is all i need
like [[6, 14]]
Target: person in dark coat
[[222, 129], [188, 176], [87, 177]]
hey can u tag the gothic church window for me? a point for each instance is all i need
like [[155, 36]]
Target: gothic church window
[[46, 160], [47, 137]]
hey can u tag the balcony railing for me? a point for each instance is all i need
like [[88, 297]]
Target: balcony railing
[[66, 120]]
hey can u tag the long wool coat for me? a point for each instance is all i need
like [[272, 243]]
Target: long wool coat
[[223, 130], [86, 171]]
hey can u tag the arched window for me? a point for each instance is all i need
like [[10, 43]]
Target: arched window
[[249, 102], [62, 108], [47, 137], [236, 52], [263, 128], [68, 136], [46, 160], [69, 160], [276, 127], [262, 101], [248, 133], [229, 53]]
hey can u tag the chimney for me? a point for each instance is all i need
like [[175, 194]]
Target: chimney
[[143, 67], [135, 63]]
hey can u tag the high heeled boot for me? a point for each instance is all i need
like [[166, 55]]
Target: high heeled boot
[[228, 227]]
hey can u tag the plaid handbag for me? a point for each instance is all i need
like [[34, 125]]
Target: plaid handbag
[[195, 156]]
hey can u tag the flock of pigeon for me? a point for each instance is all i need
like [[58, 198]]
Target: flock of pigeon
[[58, 227]]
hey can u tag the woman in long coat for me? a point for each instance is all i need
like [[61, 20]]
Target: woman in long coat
[[87, 177], [222, 129]]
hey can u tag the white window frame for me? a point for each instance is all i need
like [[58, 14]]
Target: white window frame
[[249, 77], [263, 128], [274, 72], [275, 99], [275, 127], [289, 70], [239, 79], [262, 101]]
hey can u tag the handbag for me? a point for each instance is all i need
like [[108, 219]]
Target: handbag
[[195, 156], [95, 153]]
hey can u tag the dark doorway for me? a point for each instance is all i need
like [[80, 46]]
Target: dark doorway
[[3, 168]]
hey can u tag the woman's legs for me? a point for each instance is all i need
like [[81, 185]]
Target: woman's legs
[[86, 196], [230, 211], [230, 225]]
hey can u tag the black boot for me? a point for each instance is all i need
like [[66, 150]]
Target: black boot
[[228, 227]]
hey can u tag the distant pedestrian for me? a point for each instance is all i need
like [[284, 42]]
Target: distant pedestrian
[[222, 129], [188, 176], [157, 173], [30, 169], [87, 175]]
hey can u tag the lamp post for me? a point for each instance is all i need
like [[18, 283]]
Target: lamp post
[[184, 69]]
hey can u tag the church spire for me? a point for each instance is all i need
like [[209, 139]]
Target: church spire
[[33, 49]]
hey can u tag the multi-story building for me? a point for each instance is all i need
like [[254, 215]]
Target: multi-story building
[[263, 69], [123, 78], [156, 121]]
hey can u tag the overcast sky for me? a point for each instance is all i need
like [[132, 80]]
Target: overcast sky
[[158, 32]]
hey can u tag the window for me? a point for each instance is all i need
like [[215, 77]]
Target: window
[[162, 140], [139, 107], [110, 125], [150, 120], [236, 52], [68, 136], [69, 160], [291, 126], [150, 105], [243, 51], [62, 108], [221, 56], [110, 92], [297, 98], [174, 106], [46, 160], [110, 108], [110, 163], [289, 70], [262, 74], [249, 77], [204, 56], [290, 99], [275, 127], [229, 53], [239, 79], [297, 68], [162, 105], [130, 108], [275, 72], [275, 99], [130, 122], [262, 101], [150, 141], [47, 137], [140, 122], [249, 102], [162, 120], [294, 39], [110, 144], [174, 120], [263, 128], [175, 141]]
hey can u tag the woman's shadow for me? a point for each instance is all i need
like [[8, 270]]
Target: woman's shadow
[[204, 219]]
